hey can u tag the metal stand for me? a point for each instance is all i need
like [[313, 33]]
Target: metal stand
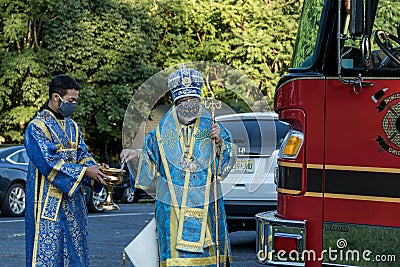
[[213, 104]]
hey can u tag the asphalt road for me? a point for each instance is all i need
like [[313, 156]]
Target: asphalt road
[[109, 233]]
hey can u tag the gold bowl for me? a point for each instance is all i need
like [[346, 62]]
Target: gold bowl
[[115, 176]]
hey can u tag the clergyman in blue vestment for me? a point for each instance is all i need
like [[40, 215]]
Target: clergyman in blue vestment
[[181, 154], [56, 212]]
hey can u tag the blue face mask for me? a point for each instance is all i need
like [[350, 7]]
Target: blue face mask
[[188, 110], [67, 108]]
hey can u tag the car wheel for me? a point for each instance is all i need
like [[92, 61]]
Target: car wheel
[[96, 199], [128, 196], [14, 201], [136, 197]]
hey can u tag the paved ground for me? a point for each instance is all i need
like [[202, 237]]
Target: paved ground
[[110, 233]]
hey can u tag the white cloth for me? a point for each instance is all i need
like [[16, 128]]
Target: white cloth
[[143, 249]]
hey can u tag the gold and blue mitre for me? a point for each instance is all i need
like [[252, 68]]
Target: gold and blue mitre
[[185, 82]]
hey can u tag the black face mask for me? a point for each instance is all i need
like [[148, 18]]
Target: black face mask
[[66, 108]]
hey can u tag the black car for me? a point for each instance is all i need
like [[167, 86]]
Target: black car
[[123, 192], [13, 169]]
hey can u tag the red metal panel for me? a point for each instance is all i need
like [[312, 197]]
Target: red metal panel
[[353, 122], [302, 103], [305, 208], [307, 95], [362, 212]]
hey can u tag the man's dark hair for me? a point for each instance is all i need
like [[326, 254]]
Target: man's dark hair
[[61, 83]]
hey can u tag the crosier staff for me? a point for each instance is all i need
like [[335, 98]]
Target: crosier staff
[[213, 104]]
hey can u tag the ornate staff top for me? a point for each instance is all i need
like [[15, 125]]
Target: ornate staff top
[[212, 104]]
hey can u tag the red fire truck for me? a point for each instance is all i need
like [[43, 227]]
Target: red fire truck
[[338, 176]]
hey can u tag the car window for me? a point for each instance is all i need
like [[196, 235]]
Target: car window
[[19, 156], [257, 137]]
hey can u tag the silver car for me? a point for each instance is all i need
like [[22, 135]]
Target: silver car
[[249, 188]]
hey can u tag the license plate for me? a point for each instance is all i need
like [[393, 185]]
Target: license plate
[[243, 166]]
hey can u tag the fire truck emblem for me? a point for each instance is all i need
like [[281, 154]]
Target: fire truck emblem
[[390, 122]]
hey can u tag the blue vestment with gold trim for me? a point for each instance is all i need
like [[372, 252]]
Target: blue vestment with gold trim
[[56, 212], [182, 158]]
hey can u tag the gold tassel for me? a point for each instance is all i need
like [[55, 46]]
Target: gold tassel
[[123, 259]]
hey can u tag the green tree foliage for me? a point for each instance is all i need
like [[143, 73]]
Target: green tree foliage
[[253, 36], [112, 46], [23, 73], [105, 45]]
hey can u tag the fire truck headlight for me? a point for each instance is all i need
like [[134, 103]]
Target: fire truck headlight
[[291, 145]]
